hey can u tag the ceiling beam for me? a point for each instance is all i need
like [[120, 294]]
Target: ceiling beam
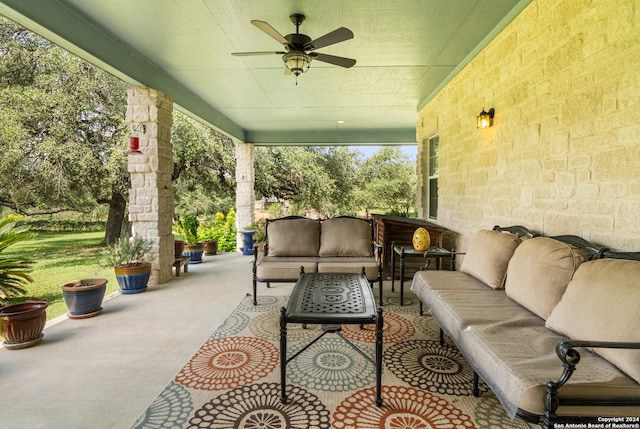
[[333, 137]]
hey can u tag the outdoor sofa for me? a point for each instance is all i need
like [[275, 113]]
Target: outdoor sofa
[[526, 312], [293, 244]]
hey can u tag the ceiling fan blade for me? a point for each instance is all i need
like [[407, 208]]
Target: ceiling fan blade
[[332, 59], [270, 31], [339, 35], [245, 54]]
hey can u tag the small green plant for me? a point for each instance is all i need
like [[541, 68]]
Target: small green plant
[[222, 229], [187, 227], [126, 252], [13, 270]]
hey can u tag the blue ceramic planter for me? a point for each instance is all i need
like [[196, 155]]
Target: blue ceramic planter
[[133, 279], [248, 242], [194, 253], [84, 297]]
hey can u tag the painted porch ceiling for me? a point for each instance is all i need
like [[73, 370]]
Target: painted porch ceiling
[[406, 50]]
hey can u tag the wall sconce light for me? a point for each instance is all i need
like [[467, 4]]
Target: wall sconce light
[[134, 141], [485, 119]]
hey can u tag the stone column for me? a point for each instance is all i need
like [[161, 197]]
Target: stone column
[[149, 113], [245, 195]]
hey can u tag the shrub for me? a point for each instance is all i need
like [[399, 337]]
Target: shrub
[[126, 252]]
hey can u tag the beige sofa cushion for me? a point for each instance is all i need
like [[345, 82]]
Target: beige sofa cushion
[[349, 265], [539, 272], [602, 303], [344, 236], [294, 237], [285, 268], [488, 256]]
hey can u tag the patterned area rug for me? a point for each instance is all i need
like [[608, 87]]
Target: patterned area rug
[[233, 380]]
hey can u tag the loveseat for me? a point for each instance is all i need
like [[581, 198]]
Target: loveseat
[[552, 325], [293, 244]]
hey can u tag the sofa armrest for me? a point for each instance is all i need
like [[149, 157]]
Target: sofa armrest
[[570, 357], [377, 251]]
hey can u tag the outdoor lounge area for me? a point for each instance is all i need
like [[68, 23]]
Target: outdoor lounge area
[[524, 112]]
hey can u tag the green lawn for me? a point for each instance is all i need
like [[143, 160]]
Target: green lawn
[[59, 258]]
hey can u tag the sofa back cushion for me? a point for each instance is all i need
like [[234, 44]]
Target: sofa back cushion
[[602, 303], [539, 272], [293, 237], [345, 236], [488, 256]]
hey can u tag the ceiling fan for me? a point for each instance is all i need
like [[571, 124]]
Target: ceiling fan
[[300, 49]]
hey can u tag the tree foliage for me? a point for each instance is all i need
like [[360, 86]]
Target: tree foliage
[[61, 127], [389, 182], [335, 180], [204, 168]]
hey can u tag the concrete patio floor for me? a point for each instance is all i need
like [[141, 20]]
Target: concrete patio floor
[[104, 371]]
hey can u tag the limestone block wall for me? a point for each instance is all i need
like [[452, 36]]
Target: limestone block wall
[[564, 154], [151, 194], [245, 194]]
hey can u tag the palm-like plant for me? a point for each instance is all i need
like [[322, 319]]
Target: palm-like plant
[[13, 271]]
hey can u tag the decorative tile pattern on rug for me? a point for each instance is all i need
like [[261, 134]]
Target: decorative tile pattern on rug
[[233, 380]]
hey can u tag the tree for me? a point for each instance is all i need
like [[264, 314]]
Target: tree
[[204, 168], [335, 180], [295, 174], [63, 131], [389, 182]]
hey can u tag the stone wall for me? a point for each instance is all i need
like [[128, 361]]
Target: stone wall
[[151, 193], [563, 156]]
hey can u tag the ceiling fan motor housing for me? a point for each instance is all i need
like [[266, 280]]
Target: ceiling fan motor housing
[[296, 59]]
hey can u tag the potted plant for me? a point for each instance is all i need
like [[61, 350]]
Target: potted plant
[[252, 234], [210, 233], [84, 297], [21, 324], [187, 227], [125, 256], [210, 247]]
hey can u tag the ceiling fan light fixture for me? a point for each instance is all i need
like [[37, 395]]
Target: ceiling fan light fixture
[[297, 62]]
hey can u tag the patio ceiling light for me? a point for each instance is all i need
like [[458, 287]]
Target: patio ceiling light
[[297, 62]]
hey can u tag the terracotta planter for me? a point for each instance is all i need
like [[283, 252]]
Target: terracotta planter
[[211, 247], [194, 253], [22, 324], [179, 247], [133, 279], [84, 297]]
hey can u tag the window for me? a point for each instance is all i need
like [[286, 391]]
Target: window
[[433, 177]]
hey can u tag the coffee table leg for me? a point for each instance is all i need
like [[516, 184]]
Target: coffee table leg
[[402, 278], [283, 355], [379, 326]]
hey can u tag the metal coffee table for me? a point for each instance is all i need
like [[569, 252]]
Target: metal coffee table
[[331, 300]]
